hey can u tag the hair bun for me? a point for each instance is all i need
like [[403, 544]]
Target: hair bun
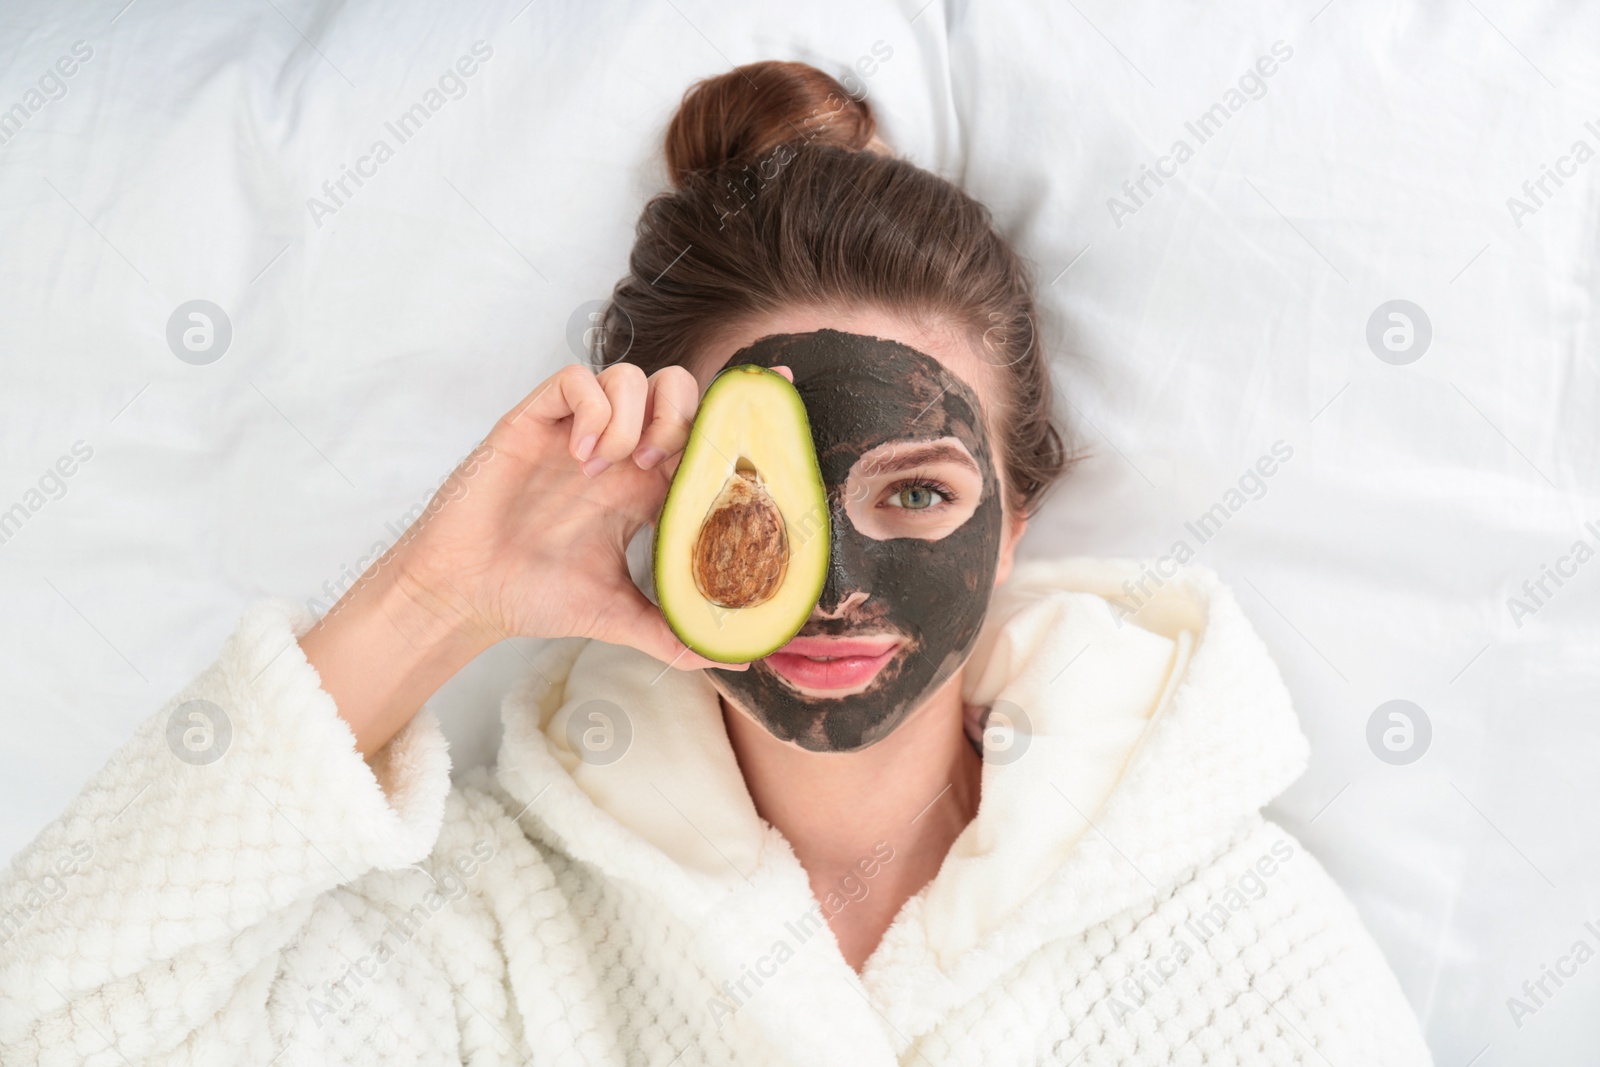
[[742, 115]]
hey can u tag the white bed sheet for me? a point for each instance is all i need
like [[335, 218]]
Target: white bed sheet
[[1192, 326]]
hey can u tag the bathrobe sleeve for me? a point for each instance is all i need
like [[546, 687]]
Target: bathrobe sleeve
[[167, 915], [1309, 960], [1256, 957]]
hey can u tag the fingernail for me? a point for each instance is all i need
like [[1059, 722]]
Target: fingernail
[[595, 466], [648, 456], [586, 446]]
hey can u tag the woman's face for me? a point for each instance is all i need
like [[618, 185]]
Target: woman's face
[[901, 418]]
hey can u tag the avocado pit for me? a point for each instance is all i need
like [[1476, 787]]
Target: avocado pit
[[742, 550]]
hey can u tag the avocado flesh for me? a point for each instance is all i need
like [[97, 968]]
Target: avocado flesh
[[741, 547]]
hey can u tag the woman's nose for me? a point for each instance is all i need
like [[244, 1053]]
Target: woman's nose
[[840, 609], [844, 588]]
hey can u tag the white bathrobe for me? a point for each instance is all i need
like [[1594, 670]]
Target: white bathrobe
[[1118, 899]]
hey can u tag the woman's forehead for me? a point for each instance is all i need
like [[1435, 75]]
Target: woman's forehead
[[944, 343], [864, 391]]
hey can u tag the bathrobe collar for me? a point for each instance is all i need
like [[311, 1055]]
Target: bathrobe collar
[[1136, 729]]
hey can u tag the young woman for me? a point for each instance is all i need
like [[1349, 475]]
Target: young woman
[[976, 812]]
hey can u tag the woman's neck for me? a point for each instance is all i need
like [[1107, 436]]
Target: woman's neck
[[870, 827]]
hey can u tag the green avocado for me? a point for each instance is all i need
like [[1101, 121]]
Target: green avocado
[[741, 546]]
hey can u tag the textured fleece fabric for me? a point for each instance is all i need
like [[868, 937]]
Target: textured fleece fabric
[[1119, 898]]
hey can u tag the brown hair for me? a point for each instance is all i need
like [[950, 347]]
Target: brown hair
[[784, 197]]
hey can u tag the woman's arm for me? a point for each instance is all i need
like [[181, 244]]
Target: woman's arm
[[385, 653]]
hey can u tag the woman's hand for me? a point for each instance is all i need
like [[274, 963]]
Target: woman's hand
[[528, 537], [533, 540]]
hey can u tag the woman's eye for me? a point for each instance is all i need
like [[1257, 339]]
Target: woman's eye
[[915, 497]]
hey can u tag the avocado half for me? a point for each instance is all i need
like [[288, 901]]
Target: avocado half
[[741, 546]]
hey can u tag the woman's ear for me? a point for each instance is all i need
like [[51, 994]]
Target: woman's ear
[[1016, 525]]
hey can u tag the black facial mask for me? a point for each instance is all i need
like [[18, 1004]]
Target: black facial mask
[[861, 392]]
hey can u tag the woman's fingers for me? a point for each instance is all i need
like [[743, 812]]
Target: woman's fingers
[[572, 392], [624, 386], [670, 405], [620, 412], [637, 623]]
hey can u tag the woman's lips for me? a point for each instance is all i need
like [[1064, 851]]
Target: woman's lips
[[833, 662]]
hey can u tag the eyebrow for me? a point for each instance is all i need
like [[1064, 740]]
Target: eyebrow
[[900, 460]]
